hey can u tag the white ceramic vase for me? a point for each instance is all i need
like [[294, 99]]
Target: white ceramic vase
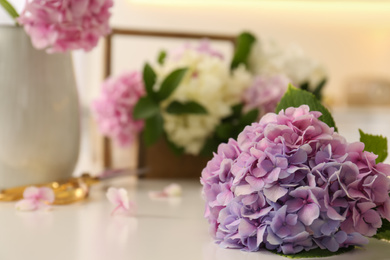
[[39, 113]]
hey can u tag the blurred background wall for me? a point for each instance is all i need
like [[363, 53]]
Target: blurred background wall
[[351, 38]]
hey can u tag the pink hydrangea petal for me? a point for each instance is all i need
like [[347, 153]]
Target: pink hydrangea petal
[[47, 194], [260, 234], [255, 183], [384, 210], [243, 190], [309, 213], [371, 216], [27, 205], [173, 190], [246, 229], [333, 214], [275, 192], [294, 205], [119, 198], [160, 194], [31, 193], [272, 238], [112, 195], [123, 198]]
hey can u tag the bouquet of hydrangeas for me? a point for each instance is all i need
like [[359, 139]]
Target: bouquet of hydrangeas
[[192, 97], [291, 183]]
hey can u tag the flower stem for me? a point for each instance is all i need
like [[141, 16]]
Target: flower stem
[[9, 9]]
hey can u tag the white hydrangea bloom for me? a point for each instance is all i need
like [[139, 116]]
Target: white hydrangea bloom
[[267, 58], [208, 82]]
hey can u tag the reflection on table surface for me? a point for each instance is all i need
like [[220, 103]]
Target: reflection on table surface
[[162, 229]]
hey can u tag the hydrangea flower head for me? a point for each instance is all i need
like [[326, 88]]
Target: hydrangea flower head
[[290, 183], [269, 58], [265, 93], [61, 25], [114, 108], [209, 83]]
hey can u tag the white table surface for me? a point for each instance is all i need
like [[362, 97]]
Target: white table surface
[[171, 229]]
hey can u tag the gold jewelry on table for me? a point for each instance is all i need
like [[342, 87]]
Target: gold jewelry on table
[[70, 191]]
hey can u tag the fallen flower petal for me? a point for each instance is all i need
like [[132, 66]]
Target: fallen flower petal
[[35, 198], [172, 190], [120, 199]]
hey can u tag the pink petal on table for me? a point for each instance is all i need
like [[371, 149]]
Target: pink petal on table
[[31, 193], [120, 199], [46, 194], [35, 198], [173, 190], [27, 205], [157, 194]]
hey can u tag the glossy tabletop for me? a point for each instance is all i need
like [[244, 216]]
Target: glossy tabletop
[[161, 229]]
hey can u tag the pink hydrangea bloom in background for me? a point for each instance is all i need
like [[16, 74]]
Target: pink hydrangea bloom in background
[[114, 108], [61, 25], [265, 93], [35, 198], [203, 47], [120, 199], [290, 183]]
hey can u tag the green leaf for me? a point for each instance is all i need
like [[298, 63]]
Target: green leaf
[[153, 129], [235, 115], [317, 252], [191, 107], [161, 57], [249, 117], [170, 83], [145, 108], [318, 90], [295, 97], [383, 235], [9, 9], [149, 77], [243, 48], [237, 109], [305, 86], [210, 146], [175, 149], [376, 144], [225, 131]]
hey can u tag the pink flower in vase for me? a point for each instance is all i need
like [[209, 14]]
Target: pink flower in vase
[[114, 108], [61, 25], [35, 198]]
